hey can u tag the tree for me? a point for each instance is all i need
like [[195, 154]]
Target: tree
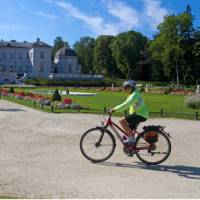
[[172, 45], [103, 60], [126, 48], [58, 44], [85, 51], [146, 69], [155, 48], [186, 31], [188, 10], [196, 53], [171, 52]]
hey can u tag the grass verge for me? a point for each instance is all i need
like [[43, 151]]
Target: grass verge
[[172, 105]]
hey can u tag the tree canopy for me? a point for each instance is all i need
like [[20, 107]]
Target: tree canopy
[[85, 51], [172, 55], [126, 50], [58, 43]]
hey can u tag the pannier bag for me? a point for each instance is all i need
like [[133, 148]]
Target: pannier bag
[[151, 136]]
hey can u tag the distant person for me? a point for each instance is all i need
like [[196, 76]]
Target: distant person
[[67, 91], [138, 111]]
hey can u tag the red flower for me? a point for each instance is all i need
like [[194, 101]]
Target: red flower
[[67, 101], [30, 94], [22, 94], [4, 90]]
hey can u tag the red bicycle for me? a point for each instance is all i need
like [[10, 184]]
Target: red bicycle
[[152, 145]]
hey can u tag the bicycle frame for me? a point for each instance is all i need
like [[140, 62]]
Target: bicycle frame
[[141, 143], [115, 127]]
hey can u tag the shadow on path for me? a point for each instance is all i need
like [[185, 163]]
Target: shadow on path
[[181, 170], [11, 110]]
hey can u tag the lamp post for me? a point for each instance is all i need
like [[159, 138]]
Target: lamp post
[[90, 72], [112, 83], [103, 72], [79, 73], [51, 76]]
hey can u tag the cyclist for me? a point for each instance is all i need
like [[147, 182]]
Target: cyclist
[[138, 111]]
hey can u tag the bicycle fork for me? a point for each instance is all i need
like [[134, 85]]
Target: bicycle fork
[[102, 129]]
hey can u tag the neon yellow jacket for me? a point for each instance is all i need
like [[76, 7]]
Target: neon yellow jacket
[[136, 105]]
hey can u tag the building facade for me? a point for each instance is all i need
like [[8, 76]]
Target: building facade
[[34, 59], [66, 62], [23, 57]]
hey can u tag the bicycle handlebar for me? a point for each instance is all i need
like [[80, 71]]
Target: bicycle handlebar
[[106, 112]]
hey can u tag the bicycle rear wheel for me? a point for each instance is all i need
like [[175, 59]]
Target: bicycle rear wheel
[[97, 144], [153, 153]]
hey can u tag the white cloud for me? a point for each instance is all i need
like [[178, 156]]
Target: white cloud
[[94, 23], [47, 15], [154, 12], [128, 16]]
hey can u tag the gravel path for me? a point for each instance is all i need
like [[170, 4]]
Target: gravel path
[[40, 158]]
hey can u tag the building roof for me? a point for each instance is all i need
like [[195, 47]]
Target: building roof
[[40, 44], [25, 44], [65, 51]]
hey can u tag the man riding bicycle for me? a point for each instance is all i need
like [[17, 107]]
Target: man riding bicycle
[[138, 111]]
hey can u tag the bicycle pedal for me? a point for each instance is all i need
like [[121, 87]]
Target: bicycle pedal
[[128, 152]]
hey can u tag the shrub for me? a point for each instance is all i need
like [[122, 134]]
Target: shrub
[[11, 90], [56, 96], [142, 88], [193, 101], [168, 90]]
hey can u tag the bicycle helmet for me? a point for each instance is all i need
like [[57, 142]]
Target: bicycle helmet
[[129, 83]]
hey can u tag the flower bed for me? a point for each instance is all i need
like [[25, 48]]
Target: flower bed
[[67, 103], [42, 100]]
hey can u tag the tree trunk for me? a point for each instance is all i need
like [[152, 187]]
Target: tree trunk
[[177, 72]]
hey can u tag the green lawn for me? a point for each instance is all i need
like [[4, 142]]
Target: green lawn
[[155, 102], [8, 197]]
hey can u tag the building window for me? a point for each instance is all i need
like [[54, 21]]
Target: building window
[[27, 69], [4, 68], [20, 69], [70, 69], [41, 55], [20, 56], [4, 55], [27, 56], [41, 68], [11, 68], [78, 69], [11, 56]]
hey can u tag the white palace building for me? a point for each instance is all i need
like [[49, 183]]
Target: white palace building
[[34, 59]]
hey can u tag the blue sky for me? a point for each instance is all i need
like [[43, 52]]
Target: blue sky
[[71, 19]]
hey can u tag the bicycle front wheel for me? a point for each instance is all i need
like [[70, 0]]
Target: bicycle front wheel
[[97, 144], [153, 153]]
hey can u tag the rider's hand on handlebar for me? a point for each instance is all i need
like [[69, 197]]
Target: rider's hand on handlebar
[[110, 111]]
